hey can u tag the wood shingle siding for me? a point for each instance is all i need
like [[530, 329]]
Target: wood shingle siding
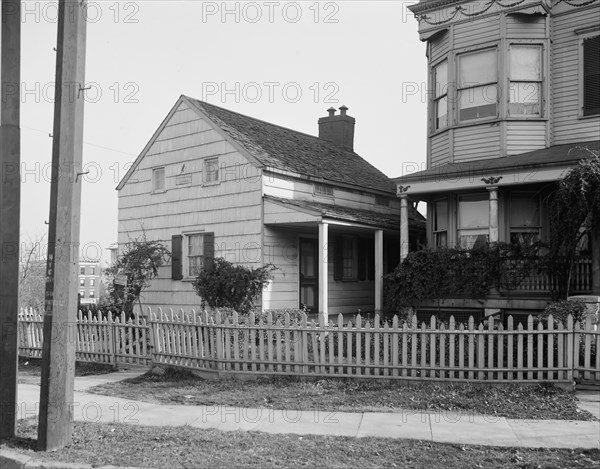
[[231, 209]]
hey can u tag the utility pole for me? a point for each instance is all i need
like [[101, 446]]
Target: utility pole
[[58, 357], [10, 202]]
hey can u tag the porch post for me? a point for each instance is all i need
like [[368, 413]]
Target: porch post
[[378, 270], [323, 280], [494, 236], [403, 226]]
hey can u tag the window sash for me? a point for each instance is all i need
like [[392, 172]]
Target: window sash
[[349, 258], [195, 254], [158, 179], [477, 85], [473, 212], [212, 170]]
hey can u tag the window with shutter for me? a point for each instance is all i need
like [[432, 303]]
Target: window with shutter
[[176, 268], [591, 76]]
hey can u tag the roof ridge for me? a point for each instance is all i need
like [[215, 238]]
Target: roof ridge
[[271, 123]]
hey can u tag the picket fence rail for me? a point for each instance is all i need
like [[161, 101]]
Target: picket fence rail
[[542, 352]]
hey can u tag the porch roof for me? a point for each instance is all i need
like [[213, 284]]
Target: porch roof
[[316, 212], [547, 164]]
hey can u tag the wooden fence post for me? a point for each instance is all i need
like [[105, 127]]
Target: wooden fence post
[[569, 363]]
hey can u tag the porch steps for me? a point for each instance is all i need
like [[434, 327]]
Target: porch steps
[[588, 385]]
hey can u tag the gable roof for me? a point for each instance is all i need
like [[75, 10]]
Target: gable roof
[[287, 150]]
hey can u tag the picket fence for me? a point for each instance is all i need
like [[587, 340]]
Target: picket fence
[[542, 352]]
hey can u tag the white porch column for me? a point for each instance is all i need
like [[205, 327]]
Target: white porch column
[[378, 271], [494, 236], [323, 280], [403, 226]]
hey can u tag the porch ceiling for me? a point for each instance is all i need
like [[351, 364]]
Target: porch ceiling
[[539, 166], [290, 212]]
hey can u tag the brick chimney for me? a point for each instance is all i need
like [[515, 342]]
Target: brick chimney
[[338, 129]]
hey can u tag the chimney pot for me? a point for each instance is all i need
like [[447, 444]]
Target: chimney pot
[[331, 111], [343, 109]]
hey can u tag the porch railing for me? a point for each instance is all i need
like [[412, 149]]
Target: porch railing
[[544, 281]]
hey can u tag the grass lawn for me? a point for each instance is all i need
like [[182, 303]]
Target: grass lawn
[[511, 400], [175, 447]]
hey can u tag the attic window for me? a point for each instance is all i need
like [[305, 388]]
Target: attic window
[[383, 201], [158, 180], [211, 170], [323, 189]]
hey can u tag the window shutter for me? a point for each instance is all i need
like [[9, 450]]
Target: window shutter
[[591, 76], [209, 250], [176, 269], [362, 259], [371, 259], [338, 261]]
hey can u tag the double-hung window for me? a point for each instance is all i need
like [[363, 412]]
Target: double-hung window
[[211, 170], [440, 105], [195, 254], [473, 220], [477, 85], [525, 80]]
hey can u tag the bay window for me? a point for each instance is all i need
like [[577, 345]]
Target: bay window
[[477, 85], [525, 80]]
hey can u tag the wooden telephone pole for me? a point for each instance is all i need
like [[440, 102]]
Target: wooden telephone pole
[[10, 201], [58, 358]]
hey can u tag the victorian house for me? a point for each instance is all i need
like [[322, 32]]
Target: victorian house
[[514, 102]]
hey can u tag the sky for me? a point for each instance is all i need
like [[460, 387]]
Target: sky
[[282, 62]]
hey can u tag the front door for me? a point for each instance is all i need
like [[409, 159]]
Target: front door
[[309, 274]]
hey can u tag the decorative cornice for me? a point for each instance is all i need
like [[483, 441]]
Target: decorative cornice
[[419, 9], [492, 180]]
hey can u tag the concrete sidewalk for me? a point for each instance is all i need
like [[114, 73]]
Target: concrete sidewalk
[[449, 427]]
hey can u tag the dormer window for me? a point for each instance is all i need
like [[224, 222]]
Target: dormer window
[[440, 77], [525, 80], [477, 85]]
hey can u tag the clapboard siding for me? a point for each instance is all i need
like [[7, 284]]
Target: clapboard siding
[[440, 149], [476, 142], [440, 45], [566, 125], [525, 136], [526, 26], [473, 32], [231, 209]]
